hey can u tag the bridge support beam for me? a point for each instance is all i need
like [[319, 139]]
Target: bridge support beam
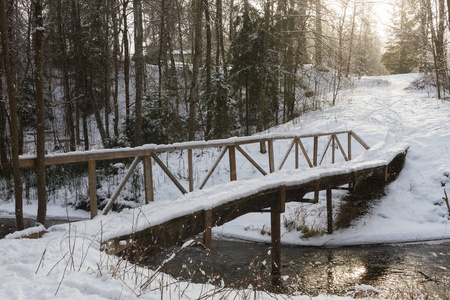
[[329, 211], [207, 235], [92, 188], [275, 225]]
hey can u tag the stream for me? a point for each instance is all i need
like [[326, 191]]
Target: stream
[[399, 271], [393, 269]]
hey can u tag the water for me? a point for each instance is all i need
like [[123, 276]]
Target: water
[[393, 269], [8, 225]]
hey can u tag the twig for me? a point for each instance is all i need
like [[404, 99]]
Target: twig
[[446, 201], [118, 276]]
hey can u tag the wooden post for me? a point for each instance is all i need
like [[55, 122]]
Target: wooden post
[[349, 151], [276, 243], [333, 152], [92, 188], [355, 178], [316, 192], [329, 211], [316, 147], [207, 235], [271, 157], [349, 142], [232, 154], [148, 179], [191, 171], [296, 153], [283, 199]]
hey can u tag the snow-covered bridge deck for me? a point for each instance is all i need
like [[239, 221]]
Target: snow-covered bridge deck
[[162, 224]]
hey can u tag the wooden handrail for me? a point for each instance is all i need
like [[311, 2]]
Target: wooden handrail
[[146, 150], [149, 152]]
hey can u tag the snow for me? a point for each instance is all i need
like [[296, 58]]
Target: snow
[[67, 261], [26, 232]]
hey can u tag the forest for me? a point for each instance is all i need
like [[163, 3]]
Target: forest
[[77, 74]]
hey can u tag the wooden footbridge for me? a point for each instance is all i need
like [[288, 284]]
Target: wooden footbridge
[[268, 194]]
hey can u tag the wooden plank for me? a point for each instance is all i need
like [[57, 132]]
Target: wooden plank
[[349, 145], [168, 173], [92, 188], [340, 148], [207, 235], [251, 160], [232, 157], [283, 199], [316, 192], [289, 152], [360, 140], [304, 153], [333, 151], [225, 149], [74, 157], [148, 180], [191, 170], [316, 149], [326, 149], [122, 185], [271, 157], [329, 212]]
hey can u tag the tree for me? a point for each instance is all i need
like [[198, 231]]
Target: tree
[[193, 95], [402, 55], [40, 122], [139, 66], [14, 117]]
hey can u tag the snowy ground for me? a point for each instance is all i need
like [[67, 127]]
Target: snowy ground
[[67, 261]]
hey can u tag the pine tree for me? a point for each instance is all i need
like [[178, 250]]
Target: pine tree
[[402, 51]]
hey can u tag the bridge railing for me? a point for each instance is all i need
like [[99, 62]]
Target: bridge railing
[[147, 153]]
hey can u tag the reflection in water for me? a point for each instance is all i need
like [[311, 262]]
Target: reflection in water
[[311, 270]]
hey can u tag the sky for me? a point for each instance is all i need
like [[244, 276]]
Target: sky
[[383, 15]]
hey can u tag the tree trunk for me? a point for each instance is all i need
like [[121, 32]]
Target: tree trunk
[[318, 32], [220, 50], [40, 122], [4, 163], [13, 114], [193, 95], [106, 69], [180, 37], [347, 72], [70, 129], [162, 53], [126, 63], [262, 94], [139, 66], [208, 72], [114, 11], [85, 132]]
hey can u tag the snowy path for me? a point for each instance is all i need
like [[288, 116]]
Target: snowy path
[[383, 109]]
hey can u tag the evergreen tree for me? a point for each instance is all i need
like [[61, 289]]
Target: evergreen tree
[[254, 67], [402, 51]]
